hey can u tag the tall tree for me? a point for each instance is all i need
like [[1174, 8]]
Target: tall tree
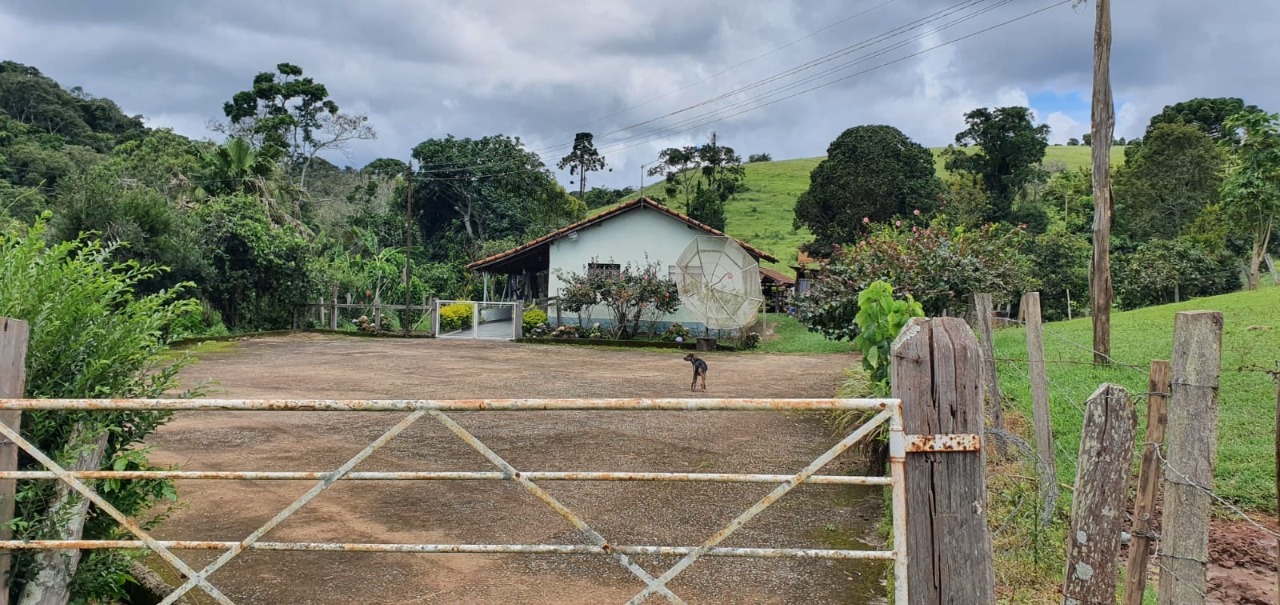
[[483, 190], [871, 172], [1167, 183], [1209, 115], [583, 159], [1007, 154], [711, 166], [292, 119], [1103, 120], [1251, 191]]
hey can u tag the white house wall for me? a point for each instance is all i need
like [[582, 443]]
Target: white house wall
[[621, 239]]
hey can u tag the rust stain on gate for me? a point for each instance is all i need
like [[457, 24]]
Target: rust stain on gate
[[887, 412]]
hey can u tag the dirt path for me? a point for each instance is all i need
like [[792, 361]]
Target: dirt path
[[492, 512]]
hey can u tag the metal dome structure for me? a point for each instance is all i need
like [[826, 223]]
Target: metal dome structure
[[720, 281]]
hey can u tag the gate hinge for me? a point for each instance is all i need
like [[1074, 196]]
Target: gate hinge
[[962, 442]]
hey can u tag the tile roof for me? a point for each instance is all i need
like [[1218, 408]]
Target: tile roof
[[777, 276], [641, 202]]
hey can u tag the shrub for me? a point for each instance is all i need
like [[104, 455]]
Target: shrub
[[880, 319], [675, 331], [533, 318], [1060, 262], [92, 335], [455, 317], [633, 294], [939, 267], [1161, 271]]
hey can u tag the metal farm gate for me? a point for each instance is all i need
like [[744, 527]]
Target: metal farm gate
[[881, 413], [489, 320]]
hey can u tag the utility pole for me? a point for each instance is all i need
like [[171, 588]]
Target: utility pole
[[1100, 292], [408, 239]]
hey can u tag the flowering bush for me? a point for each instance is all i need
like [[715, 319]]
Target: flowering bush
[[939, 267], [676, 331], [632, 294]]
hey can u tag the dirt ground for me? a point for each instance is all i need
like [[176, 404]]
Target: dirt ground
[[1242, 563], [501, 512]]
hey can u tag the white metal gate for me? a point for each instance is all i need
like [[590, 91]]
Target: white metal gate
[[883, 412], [489, 320]]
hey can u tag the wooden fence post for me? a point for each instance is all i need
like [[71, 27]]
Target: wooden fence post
[[982, 315], [1102, 485], [333, 317], [937, 373], [377, 314], [1148, 482], [517, 320], [1191, 444], [13, 355], [1041, 417]]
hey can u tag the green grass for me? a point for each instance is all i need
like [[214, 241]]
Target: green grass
[[791, 337], [1245, 472], [763, 215]]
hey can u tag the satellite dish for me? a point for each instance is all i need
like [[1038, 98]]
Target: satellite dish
[[720, 282]]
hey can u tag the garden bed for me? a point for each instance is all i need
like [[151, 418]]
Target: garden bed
[[632, 343]]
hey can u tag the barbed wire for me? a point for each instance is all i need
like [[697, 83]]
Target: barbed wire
[[1187, 480]]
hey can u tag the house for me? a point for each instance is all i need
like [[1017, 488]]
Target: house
[[776, 285], [637, 232]]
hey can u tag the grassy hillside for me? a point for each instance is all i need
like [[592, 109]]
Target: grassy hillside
[[763, 215], [1246, 467]]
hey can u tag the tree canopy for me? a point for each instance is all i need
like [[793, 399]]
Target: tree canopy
[[871, 174], [1007, 149], [1251, 191], [582, 159], [1167, 182], [1208, 115]]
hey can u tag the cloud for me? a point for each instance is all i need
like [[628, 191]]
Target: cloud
[[542, 70]]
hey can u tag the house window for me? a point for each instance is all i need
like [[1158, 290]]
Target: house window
[[612, 270]]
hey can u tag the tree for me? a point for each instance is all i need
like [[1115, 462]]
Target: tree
[[1209, 115], [1251, 191], [1073, 142], [470, 191], [871, 173], [599, 197], [715, 167], [1165, 184], [583, 159], [292, 119], [759, 157], [708, 208], [1009, 149], [1087, 138]]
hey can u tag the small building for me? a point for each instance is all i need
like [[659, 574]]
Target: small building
[[640, 231], [776, 286], [807, 269]]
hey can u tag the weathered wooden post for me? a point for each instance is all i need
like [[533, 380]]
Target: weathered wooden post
[[937, 373], [1191, 444], [377, 314], [435, 317], [320, 306], [13, 355], [1098, 503], [333, 317], [982, 318], [1041, 417], [1148, 482]]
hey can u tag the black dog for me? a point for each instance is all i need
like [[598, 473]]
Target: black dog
[[699, 369]]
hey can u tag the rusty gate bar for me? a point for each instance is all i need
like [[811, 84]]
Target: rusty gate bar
[[889, 413], [450, 405], [535, 549], [449, 476]]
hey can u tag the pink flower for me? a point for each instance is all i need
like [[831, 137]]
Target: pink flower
[[916, 212], [866, 220], [897, 223]]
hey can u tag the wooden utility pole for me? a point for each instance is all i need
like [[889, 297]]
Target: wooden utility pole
[[1191, 443], [1041, 417], [13, 355], [1104, 118], [936, 368], [408, 240], [1149, 476], [1102, 484]]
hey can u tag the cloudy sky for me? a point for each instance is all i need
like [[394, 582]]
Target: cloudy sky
[[777, 76]]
